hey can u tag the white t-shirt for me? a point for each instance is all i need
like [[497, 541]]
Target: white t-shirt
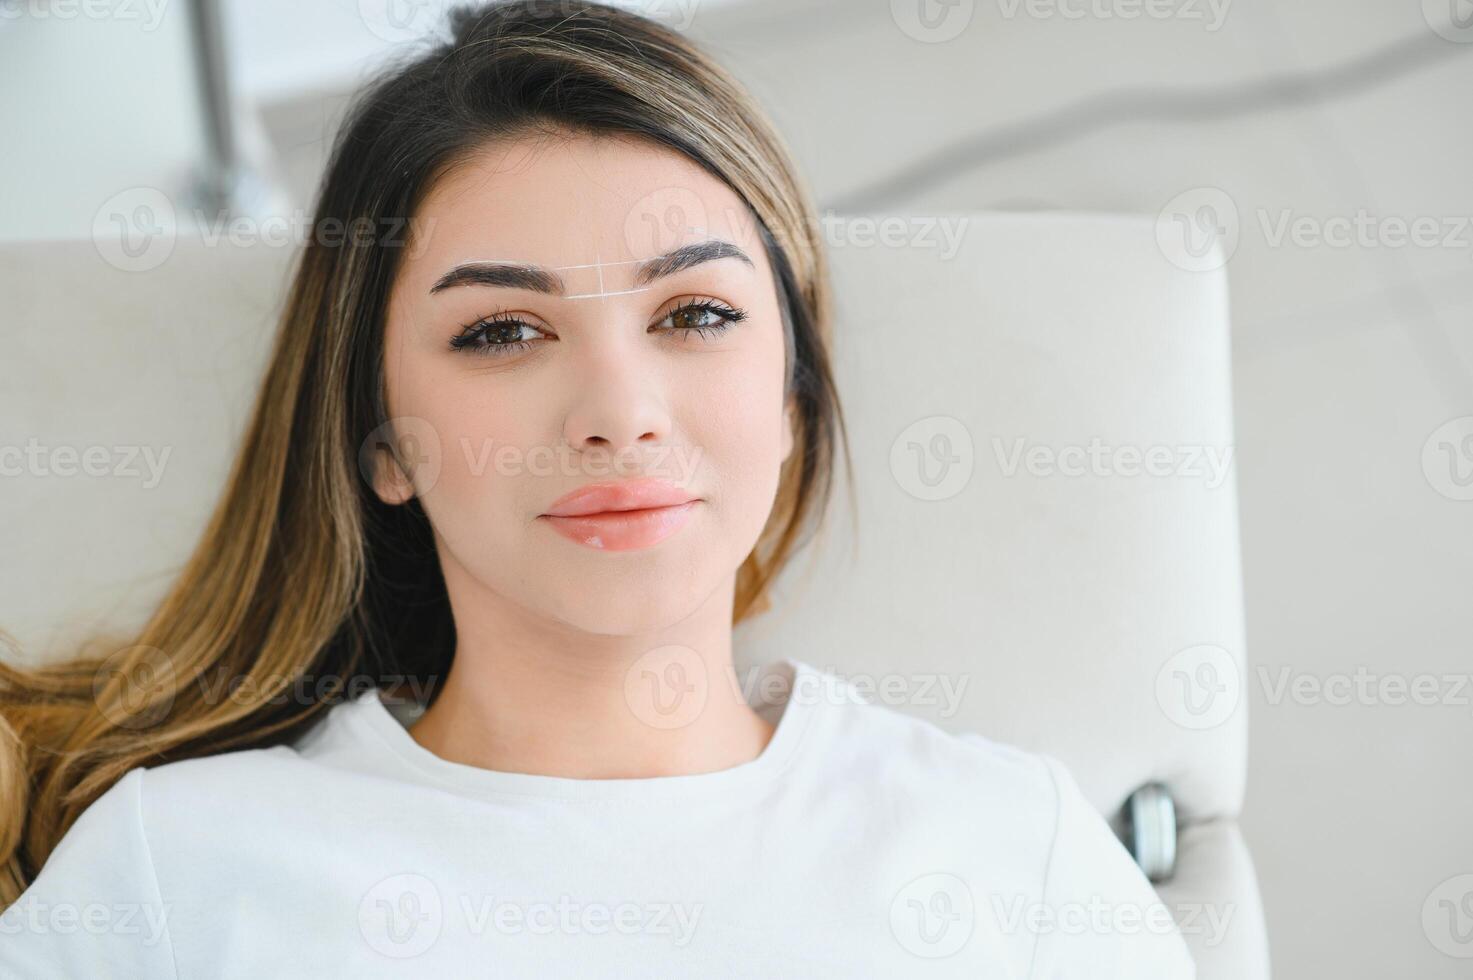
[[861, 842]]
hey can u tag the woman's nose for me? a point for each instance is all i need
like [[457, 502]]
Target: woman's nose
[[615, 402]]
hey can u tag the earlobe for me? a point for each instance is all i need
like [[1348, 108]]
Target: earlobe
[[390, 483]]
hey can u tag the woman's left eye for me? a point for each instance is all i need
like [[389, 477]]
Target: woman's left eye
[[707, 317], [500, 335]]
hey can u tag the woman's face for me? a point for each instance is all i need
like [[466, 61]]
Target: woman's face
[[513, 388]]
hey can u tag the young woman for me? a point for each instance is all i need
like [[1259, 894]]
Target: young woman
[[447, 688]]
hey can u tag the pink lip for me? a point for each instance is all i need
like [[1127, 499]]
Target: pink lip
[[623, 515]]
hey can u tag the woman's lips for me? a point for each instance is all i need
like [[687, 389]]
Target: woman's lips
[[645, 493], [623, 530]]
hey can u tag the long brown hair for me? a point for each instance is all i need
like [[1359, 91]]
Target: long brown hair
[[302, 573]]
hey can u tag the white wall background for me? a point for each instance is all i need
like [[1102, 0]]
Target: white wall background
[[1347, 359], [73, 135]]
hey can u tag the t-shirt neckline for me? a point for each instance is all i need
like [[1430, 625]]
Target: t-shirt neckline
[[770, 692]]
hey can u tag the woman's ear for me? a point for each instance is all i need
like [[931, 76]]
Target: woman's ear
[[385, 475]]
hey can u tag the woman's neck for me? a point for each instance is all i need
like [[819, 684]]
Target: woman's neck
[[595, 707]]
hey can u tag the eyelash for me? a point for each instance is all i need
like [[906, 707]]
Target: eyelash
[[467, 340]]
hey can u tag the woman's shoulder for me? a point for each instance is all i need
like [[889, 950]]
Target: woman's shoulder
[[1033, 834], [272, 777], [898, 754], [870, 734], [229, 774], [254, 772], [144, 851]]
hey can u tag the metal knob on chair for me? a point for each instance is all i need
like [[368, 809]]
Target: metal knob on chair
[[1150, 830]]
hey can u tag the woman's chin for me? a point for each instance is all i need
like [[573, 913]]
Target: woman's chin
[[626, 604]]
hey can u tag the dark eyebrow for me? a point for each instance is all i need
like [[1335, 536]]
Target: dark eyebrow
[[506, 276], [686, 256], [538, 279]]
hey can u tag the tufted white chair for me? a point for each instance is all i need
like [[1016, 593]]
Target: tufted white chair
[[1040, 412]]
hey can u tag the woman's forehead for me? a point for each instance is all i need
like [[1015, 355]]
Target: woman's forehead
[[583, 206]]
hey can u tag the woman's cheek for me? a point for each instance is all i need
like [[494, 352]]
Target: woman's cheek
[[742, 443], [481, 474]]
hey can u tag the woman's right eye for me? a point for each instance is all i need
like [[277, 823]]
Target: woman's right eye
[[495, 336]]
